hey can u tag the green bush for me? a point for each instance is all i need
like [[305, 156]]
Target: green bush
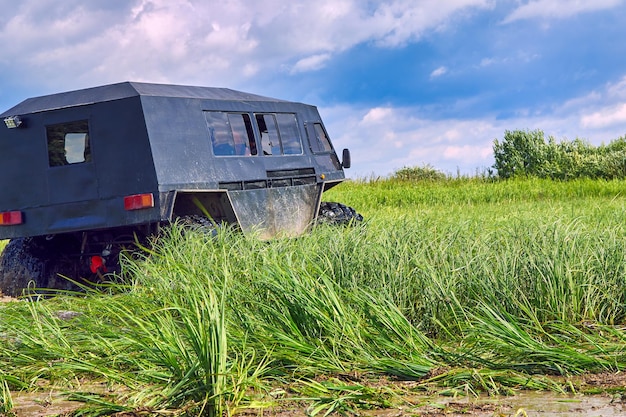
[[419, 173], [528, 154]]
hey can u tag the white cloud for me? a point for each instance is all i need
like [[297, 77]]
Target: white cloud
[[617, 90], [72, 43], [384, 139], [559, 9], [468, 153], [310, 63], [606, 117], [602, 109], [438, 72], [399, 21], [377, 115], [487, 62]]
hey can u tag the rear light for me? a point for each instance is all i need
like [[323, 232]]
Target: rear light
[[97, 264], [11, 218], [138, 201]]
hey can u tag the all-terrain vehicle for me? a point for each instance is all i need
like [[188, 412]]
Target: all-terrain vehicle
[[86, 173]]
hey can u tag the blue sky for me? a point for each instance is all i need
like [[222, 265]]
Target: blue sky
[[399, 82]]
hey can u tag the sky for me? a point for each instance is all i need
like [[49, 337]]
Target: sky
[[401, 83]]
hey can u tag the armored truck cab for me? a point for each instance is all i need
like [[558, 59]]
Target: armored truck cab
[[85, 171]]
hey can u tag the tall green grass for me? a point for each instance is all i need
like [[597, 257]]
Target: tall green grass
[[463, 283]]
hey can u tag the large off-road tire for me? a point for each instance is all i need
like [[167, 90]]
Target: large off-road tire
[[337, 214], [198, 223], [19, 266], [34, 263]]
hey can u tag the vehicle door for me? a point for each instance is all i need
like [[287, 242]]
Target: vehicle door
[[71, 173]]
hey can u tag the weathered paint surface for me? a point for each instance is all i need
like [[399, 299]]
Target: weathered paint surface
[[276, 212]]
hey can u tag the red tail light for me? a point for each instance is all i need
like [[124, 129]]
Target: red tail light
[[96, 264], [138, 201], [11, 218]]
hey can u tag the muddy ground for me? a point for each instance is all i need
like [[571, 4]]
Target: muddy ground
[[540, 404], [610, 403]]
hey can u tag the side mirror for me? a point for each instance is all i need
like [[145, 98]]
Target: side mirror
[[346, 161]]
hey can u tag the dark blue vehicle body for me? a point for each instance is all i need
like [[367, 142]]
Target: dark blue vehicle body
[[86, 172], [155, 139]]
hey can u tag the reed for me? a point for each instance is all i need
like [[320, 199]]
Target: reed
[[493, 285]]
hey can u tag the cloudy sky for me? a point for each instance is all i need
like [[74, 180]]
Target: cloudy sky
[[399, 82]]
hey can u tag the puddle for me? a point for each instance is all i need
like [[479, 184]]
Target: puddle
[[525, 404], [530, 404], [41, 404], [49, 403]]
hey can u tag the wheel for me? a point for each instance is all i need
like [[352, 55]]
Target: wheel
[[337, 214], [20, 264], [35, 262], [198, 223]]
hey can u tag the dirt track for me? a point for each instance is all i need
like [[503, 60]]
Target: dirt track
[[524, 404]]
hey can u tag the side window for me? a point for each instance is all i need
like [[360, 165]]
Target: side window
[[231, 133], [280, 134], [68, 143], [289, 133], [318, 139], [270, 141]]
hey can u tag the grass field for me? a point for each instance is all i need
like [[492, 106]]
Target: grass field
[[464, 285]]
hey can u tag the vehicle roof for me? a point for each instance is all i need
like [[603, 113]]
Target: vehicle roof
[[125, 90]]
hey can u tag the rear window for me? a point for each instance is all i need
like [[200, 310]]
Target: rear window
[[68, 143]]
